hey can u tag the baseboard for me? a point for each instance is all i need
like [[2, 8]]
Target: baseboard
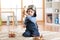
[[4, 22], [10, 21], [41, 21], [21, 21]]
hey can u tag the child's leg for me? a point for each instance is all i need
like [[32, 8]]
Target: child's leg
[[35, 32], [27, 33]]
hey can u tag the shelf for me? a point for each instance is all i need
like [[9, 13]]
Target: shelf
[[56, 10], [49, 0], [52, 24], [55, 13], [49, 10], [56, 5], [56, 1], [49, 5], [52, 12]]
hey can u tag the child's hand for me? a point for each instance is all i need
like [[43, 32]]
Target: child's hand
[[26, 14]]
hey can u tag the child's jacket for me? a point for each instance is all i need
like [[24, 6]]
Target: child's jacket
[[31, 27]]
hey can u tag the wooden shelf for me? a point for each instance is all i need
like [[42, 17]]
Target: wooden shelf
[[52, 8]]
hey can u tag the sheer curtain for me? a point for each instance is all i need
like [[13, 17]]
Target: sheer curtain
[[11, 5]]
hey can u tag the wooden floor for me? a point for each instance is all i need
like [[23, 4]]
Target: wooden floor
[[41, 27], [52, 28]]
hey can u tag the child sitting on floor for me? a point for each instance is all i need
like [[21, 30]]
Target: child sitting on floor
[[30, 22]]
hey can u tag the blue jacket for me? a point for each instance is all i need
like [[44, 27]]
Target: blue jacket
[[31, 26]]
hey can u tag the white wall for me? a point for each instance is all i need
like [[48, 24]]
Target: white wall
[[39, 14], [17, 3]]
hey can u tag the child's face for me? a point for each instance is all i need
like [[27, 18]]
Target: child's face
[[30, 12]]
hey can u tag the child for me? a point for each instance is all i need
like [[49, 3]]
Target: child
[[30, 22]]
